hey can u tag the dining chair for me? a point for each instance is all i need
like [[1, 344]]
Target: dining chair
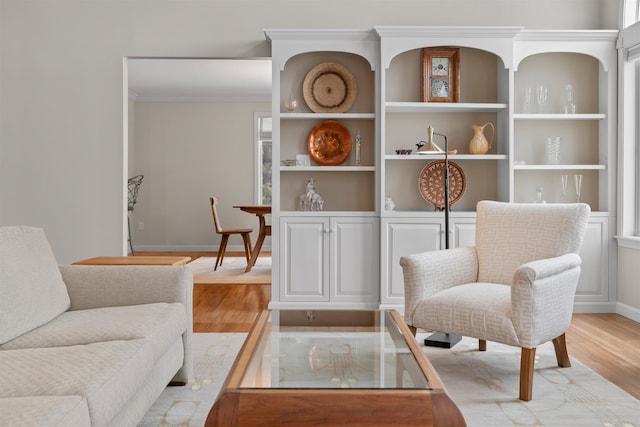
[[244, 232]]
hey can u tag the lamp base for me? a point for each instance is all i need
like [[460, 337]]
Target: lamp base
[[442, 340]]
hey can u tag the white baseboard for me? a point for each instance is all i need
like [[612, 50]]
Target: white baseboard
[[594, 307], [289, 305], [195, 248], [627, 311]]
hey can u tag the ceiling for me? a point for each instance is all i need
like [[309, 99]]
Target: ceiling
[[199, 79]]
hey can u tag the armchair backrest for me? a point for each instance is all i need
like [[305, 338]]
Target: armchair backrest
[[511, 234]]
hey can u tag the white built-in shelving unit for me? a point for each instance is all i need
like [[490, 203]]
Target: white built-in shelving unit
[[348, 254]]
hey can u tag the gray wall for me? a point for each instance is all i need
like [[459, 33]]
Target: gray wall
[[63, 163], [188, 152]]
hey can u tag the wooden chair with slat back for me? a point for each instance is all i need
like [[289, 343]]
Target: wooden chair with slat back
[[244, 232]]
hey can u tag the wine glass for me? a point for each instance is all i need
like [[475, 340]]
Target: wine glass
[[570, 105], [578, 182], [527, 106], [542, 94], [565, 180]]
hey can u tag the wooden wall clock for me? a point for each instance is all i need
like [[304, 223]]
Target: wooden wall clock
[[440, 74]]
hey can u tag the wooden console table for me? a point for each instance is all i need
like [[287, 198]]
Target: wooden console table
[[134, 260]]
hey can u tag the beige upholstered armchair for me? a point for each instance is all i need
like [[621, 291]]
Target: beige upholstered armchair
[[516, 286]]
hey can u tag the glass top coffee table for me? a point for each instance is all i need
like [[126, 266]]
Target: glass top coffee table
[[324, 367]]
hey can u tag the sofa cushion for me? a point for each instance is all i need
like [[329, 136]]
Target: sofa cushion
[[161, 324], [107, 374], [32, 291], [38, 411]]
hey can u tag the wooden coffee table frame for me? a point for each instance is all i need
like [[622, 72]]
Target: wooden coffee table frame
[[238, 406]]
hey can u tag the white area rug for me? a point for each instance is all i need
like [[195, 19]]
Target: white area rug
[[485, 387], [188, 406], [231, 271], [483, 384]]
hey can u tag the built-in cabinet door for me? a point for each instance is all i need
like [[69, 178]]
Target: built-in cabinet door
[[463, 232], [594, 279], [326, 259], [354, 259], [304, 247], [405, 236]]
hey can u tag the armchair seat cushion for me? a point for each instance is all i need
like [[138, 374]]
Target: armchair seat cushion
[[462, 310]]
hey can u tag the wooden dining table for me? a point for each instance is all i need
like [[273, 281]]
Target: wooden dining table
[[265, 230]]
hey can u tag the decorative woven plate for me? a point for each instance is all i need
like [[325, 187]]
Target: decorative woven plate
[[329, 143], [431, 183], [329, 88]]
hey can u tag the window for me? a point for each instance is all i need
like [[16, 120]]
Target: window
[[264, 150], [629, 138]]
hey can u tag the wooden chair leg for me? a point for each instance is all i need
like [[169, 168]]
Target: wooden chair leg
[[247, 246], [527, 360], [482, 345], [413, 330], [562, 355], [221, 250]]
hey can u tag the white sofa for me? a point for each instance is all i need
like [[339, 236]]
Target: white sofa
[[87, 345]]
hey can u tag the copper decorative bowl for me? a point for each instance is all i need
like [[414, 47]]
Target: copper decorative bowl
[[329, 143]]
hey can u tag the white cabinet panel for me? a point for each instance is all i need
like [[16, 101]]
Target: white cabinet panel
[[464, 232], [325, 259], [405, 236], [594, 279], [354, 259], [303, 249]]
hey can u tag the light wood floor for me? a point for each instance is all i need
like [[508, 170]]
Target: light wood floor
[[607, 343]]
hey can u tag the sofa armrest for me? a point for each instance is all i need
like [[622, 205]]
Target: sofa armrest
[[428, 273], [109, 286], [542, 296]]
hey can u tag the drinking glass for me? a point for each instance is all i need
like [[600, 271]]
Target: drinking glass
[[542, 94], [578, 182], [552, 150], [569, 105], [565, 180], [527, 105], [539, 198]]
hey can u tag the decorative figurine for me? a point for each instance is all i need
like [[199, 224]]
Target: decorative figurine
[[290, 104], [389, 204], [310, 200], [358, 148]]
